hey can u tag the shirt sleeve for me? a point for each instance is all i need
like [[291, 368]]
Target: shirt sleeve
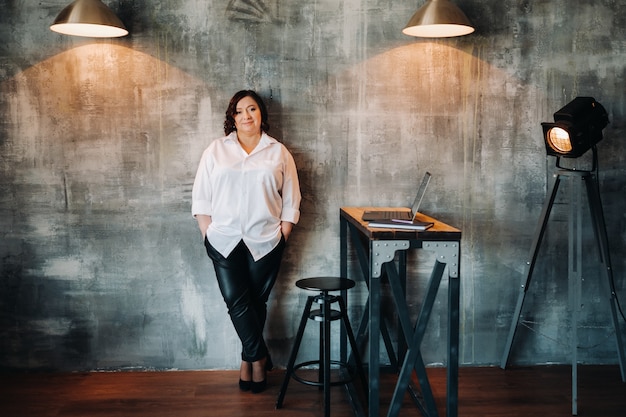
[[291, 191], [202, 192]]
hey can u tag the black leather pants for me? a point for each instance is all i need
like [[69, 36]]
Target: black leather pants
[[245, 286]]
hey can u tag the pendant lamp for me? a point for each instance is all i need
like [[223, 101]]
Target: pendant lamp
[[438, 19], [90, 18]]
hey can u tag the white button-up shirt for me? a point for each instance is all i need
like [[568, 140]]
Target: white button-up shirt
[[247, 196]]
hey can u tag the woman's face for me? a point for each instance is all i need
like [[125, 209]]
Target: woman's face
[[248, 116]]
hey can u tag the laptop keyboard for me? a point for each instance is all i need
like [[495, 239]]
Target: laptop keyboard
[[386, 215]]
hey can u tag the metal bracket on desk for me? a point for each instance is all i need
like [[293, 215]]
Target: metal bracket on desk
[[447, 253], [384, 251]]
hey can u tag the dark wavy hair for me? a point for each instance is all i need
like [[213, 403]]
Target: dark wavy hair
[[229, 123]]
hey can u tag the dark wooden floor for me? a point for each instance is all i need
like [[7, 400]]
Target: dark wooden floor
[[484, 392]]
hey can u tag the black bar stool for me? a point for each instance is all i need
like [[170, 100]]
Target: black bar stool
[[324, 315]]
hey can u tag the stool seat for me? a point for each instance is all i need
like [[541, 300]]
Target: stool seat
[[325, 284]]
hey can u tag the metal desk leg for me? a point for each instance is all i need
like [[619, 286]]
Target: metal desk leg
[[416, 340], [374, 347], [381, 252], [371, 265], [428, 406], [450, 253], [453, 347]]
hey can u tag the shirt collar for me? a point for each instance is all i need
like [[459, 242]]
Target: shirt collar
[[265, 138]]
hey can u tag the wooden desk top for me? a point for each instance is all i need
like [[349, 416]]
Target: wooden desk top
[[439, 231]]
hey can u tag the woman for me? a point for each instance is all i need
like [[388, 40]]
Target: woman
[[246, 199]]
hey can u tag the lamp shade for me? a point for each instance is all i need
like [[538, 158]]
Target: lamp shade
[[577, 127], [438, 19], [90, 18]]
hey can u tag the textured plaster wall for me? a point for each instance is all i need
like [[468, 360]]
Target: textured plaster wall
[[101, 264]]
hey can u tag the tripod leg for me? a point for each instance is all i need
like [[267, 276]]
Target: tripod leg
[[574, 274], [597, 215], [541, 228]]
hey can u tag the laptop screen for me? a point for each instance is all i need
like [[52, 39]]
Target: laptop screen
[[421, 191]]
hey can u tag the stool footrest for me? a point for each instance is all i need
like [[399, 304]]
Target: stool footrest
[[317, 315], [305, 381]]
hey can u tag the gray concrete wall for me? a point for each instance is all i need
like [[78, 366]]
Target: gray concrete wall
[[101, 264]]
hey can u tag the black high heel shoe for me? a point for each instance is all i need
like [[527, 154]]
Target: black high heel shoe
[[257, 387], [245, 385]]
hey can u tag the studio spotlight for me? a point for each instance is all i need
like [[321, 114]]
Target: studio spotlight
[[577, 127]]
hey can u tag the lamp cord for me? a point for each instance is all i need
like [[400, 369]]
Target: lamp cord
[[529, 325]]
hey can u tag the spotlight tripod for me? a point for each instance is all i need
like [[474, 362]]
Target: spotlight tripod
[[574, 261]]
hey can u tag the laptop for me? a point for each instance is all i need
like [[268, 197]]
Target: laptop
[[373, 215]]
